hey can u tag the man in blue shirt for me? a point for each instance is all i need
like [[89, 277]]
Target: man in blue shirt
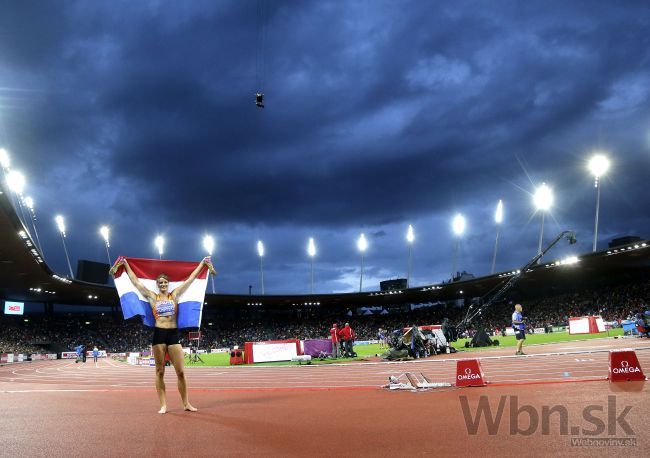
[[519, 327]]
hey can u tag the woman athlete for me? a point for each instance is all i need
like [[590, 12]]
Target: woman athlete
[[164, 305]]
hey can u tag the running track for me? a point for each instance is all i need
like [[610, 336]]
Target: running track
[[562, 362], [59, 408]]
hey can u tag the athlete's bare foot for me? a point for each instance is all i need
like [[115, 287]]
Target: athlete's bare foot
[[189, 407], [163, 409]]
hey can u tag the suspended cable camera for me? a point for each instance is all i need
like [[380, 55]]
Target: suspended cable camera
[[259, 99]]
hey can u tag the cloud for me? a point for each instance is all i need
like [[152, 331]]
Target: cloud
[[379, 115]]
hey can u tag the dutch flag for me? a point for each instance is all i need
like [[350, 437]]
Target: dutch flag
[[190, 303]]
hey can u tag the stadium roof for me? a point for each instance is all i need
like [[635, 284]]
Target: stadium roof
[[26, 276]]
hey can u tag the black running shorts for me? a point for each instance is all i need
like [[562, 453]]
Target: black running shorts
[[165, 336], [520, 335]]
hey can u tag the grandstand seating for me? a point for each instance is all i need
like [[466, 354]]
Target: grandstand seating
[[44, 332]]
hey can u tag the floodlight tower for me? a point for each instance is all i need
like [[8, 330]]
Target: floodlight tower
[[208, 245], [311, 251], [410, 237], [159, 243], [598, 165], [458, 226], [543, 200], [104, 231], [498, 219], [362, 245], [60, 223], [260, 252]]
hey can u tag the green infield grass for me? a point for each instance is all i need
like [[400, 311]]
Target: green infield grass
[[537, 339], [363, 351]]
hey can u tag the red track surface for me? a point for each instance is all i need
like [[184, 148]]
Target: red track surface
[[59, 408]]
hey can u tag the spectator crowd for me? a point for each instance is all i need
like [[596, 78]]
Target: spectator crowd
[[60, 332]]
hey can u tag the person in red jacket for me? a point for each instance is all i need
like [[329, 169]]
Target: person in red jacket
[[336, 349], [347, 337]]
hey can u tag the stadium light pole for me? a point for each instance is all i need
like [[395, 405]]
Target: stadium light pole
[[60, 223], [543, 199], [159, 242], [410, 237], [362, 244], [498, 219], [598, 165], [29, 202], [260, 252], [208, 245], [458, 226], [311, 251], [104, 231]]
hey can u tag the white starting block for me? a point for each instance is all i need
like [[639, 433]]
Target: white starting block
[[412, 382], [301, 359]]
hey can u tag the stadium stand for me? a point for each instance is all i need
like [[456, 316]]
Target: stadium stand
[[111, 332]]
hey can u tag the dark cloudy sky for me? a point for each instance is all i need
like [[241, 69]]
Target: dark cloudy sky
[[379, 114]]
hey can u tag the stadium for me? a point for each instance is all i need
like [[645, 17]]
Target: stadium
[[611, 284], [321, 122]]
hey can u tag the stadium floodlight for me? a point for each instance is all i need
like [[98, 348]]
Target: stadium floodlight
[[4, 163], [60, 223], [410, 237], [4, 159], [498, 214], [498, 218], [311, 251], [458, 226], [260, 252], [208, 246], [159, 242], [362, 244], [598, 165], [543, 200], [104, 232], [569, 260], [29, 202], [16, 182]]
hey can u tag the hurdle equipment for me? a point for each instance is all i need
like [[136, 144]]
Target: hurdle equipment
[[410, 381], [624, 366], [469, 373]]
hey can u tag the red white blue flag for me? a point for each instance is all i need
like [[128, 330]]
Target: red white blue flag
[[190, 303]]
